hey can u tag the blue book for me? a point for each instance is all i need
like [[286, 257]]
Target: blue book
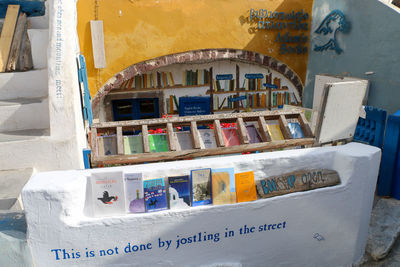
[[155, 195], [179, 192], [201, 187], [295, 130]]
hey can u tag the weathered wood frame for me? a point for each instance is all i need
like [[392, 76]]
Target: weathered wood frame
[[175, 153]]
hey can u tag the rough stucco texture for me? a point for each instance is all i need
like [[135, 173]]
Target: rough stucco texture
[[140, 30]]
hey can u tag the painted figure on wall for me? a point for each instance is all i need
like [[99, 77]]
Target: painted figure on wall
[[333, 23]]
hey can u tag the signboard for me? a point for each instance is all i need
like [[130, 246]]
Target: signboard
[[296, 181], [224, 77], [235, 99], [269, 85], [254, 76], [191, 106]]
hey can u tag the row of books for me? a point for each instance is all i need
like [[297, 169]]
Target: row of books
[[151, 80], [123, 192], [224, 85], [133, 144], [283, 98], [197, 77]]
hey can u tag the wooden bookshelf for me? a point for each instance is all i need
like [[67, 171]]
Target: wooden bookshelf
[[176, 86]]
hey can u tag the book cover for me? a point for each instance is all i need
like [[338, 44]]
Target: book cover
[[223, 186], [231, 137], [179, 192], [275, 132], [108, 193], [158, 142], [155, 195], [133, 144], [185, 140], [201, 187], [295, 130], [208, 138], [107, 145], [134, 199], [245, 187], [254, 136]]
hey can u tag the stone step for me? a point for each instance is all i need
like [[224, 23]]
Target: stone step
[[24, 113], [11, 184], [28, 84], [39, 42]]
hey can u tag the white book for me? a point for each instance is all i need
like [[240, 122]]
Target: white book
[[108, 194], [134, 200]]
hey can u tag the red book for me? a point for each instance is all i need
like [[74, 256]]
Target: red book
[[231, 137]]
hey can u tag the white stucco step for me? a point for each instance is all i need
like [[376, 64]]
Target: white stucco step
[[11, 184], [21, 135], [39, 42], [26, 84], [24, 113]]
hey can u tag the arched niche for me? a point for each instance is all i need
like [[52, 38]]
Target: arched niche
[[191, 59]]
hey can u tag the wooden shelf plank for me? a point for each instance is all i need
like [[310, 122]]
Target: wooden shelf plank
[[120, 142], [218, 133], [262, 125], [172, 139], [305, 127], [284, 127], [195, 135], [145, 136], [133, 90], [244, 138]]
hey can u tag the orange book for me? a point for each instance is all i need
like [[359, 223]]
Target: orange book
[[164, 77], [222, 192], [171, 104], [245, 187], [263, 102]]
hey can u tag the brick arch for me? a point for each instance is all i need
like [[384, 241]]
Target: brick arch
[[199, 56]]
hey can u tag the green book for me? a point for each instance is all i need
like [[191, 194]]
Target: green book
[[158, 143], [133, 144]]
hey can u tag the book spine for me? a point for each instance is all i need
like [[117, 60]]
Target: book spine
[[171, 104], [158, 80], [176, 103]]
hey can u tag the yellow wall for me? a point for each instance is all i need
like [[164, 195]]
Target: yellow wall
[[138, 30]]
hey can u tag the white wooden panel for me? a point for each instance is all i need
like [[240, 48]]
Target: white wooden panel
[[340, 110], [320, 82], [99, 56]]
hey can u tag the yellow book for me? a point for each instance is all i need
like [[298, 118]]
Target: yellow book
[[245, 187], [170, 79], [275, 132], [263, 101], [148, 80], [184, 78], [221, 189]]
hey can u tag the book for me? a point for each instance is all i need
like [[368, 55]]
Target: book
[[108, 193], [245, 187], [231, 137], [155, 195], [223, 186], [179, 192], [201, 187], [107, 145], [252, 133], [158, 143], [275, 132], [185, 140], [208, 138], [133, 144], [295, 130], [134, 196]]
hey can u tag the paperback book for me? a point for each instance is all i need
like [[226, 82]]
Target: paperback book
[[107, 145], [179, 192], [134, 192], [108, 193], [223, 186], [208, 138], [245, 187], [295, 130], [201, 187], [275, 132], [155, 195], [133, 144], [185, 140], [230, 136], [254, 136], [158, 143]]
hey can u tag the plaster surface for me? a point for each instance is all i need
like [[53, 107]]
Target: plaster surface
[[323, 227]]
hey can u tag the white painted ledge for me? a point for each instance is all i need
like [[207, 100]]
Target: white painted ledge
[[58, 216]]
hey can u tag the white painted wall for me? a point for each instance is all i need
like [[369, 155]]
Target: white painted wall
[[58, 212]]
